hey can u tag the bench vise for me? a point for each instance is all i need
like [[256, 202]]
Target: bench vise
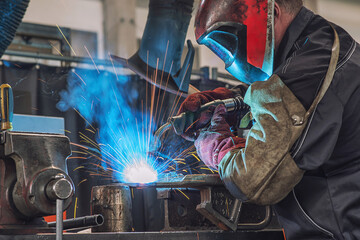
[[33, 175]]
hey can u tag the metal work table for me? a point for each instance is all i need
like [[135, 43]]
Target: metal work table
[[202, 235]]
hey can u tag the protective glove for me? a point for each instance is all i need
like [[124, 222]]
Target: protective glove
[[217, 140], [193, 103]]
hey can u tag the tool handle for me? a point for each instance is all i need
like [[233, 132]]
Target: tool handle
[[7, 107]]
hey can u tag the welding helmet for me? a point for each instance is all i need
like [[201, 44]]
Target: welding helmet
[[241, 33]]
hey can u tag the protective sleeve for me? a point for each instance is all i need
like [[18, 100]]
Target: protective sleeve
[[264, 172]]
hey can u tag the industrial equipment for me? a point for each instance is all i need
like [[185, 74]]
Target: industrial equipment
[[191, 202], [33, 175]]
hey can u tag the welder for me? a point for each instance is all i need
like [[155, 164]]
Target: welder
[[302, 153]]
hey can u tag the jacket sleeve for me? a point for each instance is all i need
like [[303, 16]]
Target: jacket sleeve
[[264, 172]]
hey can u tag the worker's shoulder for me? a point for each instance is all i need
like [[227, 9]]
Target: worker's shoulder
[[349, 48], [307, 63], [321, 34], [346, 80]]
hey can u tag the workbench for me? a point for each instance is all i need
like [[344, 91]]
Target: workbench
[[185, 235]]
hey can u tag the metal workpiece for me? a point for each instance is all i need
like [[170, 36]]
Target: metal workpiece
[[229, 213], [202, 202], [254, 217], [187, 181], [114, 203], [35, 176], [220, 207], [208, 208], [180, 212]]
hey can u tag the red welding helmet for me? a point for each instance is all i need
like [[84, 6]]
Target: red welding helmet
[[241, 33]]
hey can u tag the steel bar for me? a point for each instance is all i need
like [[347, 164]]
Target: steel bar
[[229, 78], [187, 181], [59, 219], [59, 58]]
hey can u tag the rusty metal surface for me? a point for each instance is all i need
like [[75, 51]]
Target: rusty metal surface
[[114, 203], [202, 235]]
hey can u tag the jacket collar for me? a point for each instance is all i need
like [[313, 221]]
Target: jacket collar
[[292, 34]]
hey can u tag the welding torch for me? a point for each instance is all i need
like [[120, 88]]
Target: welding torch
[[185, 120]]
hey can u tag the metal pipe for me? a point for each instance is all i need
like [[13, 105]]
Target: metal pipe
[[59, 219], [81, 222], [100, 62], [59, 58]]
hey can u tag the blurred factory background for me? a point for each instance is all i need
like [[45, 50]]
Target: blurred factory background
[[116, 26], [57, 36]]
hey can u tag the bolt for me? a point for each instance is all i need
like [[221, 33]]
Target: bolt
[[60, 188]]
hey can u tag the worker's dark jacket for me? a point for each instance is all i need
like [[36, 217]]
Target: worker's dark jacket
[[326, 202]]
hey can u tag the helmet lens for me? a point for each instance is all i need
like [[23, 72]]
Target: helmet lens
[[223, 44], [252, 46]]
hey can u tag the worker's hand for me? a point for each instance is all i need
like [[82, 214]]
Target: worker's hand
[[193, 103], [217, 140]]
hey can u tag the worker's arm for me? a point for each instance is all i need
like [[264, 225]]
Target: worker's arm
[[217, 140], [193, 103], [262, 172]]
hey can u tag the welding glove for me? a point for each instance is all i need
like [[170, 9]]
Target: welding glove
[[217, 140], [193, 103]]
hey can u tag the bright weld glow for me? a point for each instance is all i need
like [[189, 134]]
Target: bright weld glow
[[140, 173]]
